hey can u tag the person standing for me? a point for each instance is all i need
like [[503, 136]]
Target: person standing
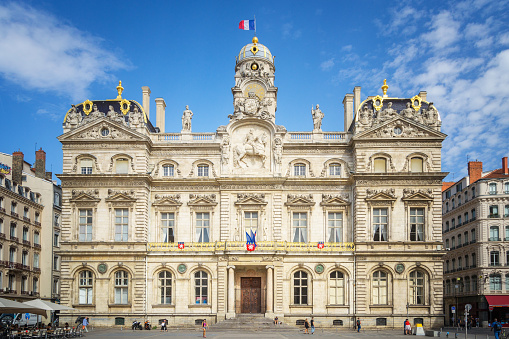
[[306, 326], [408, 328], [358, 325], [205, 326], [85, 324], [497, 328], [312, 325]]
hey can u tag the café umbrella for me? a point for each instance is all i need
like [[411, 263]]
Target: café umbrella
[[10, 306], [47, 305]]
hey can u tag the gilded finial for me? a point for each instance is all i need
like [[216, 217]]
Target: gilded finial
[[255, 40], [119, 90], [384, 88]]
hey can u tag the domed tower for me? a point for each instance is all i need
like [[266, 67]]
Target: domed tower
[[254, 94]]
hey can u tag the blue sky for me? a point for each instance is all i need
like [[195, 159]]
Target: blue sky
[[57, 53]]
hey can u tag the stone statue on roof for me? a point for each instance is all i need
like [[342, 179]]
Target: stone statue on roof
[[186, 119], [317, 118]]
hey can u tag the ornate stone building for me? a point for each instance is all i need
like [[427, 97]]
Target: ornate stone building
[[476, 235], [348, 224]]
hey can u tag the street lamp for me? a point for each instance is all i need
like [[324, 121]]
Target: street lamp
[[456, 286]]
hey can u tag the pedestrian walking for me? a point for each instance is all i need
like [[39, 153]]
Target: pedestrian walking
[[205, 326], [85, 324], [497, 328], [312, 325], [358, 325], [306, 326], [164, 325]]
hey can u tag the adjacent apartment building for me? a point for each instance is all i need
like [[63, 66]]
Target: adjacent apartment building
[[30, 212], [347, 224], [476, 236]]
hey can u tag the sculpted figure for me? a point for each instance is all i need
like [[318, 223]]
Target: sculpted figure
[[408, 112], [366, 116], [73, 119], [252, 146], [225, 151], [278, 151], [317, 117], [135, 117], [95, 112], [388, 113], [186, 119]]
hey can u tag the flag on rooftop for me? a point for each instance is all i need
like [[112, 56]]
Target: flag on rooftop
[[248, 25]]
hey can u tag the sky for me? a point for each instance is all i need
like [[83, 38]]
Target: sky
[[57, 53]]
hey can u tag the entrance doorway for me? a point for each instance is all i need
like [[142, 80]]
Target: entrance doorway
[[251, 294]]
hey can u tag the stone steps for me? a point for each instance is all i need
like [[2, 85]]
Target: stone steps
[[251, 322]]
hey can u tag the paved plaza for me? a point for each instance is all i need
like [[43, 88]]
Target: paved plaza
[[222, 334]]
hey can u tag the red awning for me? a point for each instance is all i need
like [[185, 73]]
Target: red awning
[[498, 300]]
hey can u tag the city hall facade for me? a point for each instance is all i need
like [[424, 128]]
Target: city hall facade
[[348, 224]]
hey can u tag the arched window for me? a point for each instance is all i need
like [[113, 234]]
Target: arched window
[[300, 288], [380, 288], [203, 170], [85, 286], [168, 170], [299, 170], [417, 287], [165, 285], [201, 287], [86, 166], [416, 164], [493, 188], [335, 170], [380, 165], [122, 166], [494, 235], [121, 287], [336, 288]]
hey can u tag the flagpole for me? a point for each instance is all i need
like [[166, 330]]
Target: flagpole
[[255, 24]]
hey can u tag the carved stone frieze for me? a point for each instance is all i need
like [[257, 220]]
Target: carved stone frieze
[[211, 197], [92, 192], [427, 192], [342, 196], [242, 196], [297, 200], [373, 192], [112, 192], [119, 183], [166, 187], [404, 182], [97, 133]]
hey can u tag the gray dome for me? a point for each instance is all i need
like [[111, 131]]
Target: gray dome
[[255, 50]]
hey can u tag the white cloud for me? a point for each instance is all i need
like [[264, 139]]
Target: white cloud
[[327, 65], [38, 52], [290, 32], [444, 32]]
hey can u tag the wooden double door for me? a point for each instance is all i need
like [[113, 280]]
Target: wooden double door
[[251, 294]]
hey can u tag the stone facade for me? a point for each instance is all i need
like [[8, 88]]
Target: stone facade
[[476, 234], [348, 224]]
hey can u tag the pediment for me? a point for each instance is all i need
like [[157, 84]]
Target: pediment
[[400, 128], [167, 201], [304, 200], [120, 197], [250, 199], [331, 201], [410, 195], [94, 131], [84, 197], [202, 200]]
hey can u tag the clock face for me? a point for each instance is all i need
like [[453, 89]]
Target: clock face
[[102, 268], [319, 268], [400, 268], [257, 89], [182, 268]]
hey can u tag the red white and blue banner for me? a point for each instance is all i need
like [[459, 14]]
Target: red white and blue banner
[[251, 241], [320, 245], [248, 25], [181, 245]]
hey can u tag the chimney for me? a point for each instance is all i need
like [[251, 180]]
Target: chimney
[[40, 163], [474, 171], [423, 95], [160, 112], [17, 167], [504, 166], [348, 107], [146, 100], [356, 98]]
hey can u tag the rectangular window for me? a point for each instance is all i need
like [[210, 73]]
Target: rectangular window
[[121, 287], [299, 170], [493, 211], [416, 164], [85, 225], [495, 283], [36, 238], [121, 224], [25, 234], [473, 214], [416, 224], [380, 224], [55, 263], [167, 227], [494, 258], [335, 224], [168, 171], [36, 260], [202, 226], [379, 165], [35, 285], [56, 237], [300, 226], [472, 235], [335, 170], [86, 166], [122, 166], [203, 170], [251, 222]]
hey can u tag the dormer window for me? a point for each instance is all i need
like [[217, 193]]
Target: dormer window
[[122, 166], [203, 170], [299, 170], [86, 166], [335, 170], [168, 170], [493, 188], [416, 164], [380, 165]]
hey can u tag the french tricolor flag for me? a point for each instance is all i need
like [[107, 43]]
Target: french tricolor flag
[[247, 25]]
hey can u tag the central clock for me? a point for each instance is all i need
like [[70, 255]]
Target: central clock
[[257, 89]]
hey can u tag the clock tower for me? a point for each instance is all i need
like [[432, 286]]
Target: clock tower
[[254, 94]]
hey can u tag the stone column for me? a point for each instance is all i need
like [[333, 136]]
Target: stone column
[[269, 310], [231, 292]]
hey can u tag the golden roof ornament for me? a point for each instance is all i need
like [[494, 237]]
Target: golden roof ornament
[[119, 90], [255, 40], [384, 88]]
